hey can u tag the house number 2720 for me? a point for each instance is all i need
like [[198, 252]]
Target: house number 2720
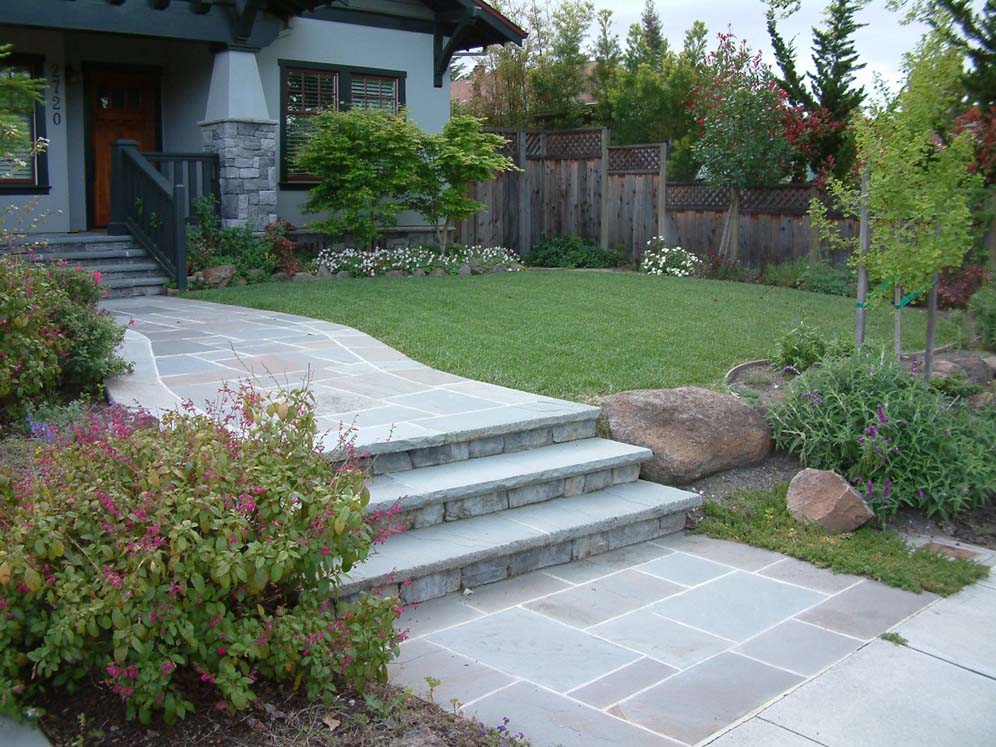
[[55, 82]]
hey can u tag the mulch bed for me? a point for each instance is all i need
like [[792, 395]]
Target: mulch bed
[[386, 717]]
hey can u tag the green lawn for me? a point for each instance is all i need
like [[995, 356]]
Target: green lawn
[[571, 334]]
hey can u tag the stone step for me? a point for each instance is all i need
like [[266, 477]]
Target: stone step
[[426, 563], [459, 490], [73, 243], [116, 270], [481, 434], [123, 253]]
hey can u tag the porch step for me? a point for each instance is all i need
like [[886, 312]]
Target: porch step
[[443, 558], [72, 243], [126, 252], [459, 490]]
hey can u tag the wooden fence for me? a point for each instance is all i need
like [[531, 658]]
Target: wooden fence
[[573, 182]]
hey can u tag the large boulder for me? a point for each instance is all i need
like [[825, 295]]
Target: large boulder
[[693, 432], [218, 276], [825, 498]]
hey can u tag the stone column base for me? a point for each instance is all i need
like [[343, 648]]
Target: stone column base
[[247, 151]]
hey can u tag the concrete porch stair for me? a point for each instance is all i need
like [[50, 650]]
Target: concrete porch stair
[[126, 269]]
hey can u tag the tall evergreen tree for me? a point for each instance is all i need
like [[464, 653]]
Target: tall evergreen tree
[[978, 40], [830, 91], [653, 31]]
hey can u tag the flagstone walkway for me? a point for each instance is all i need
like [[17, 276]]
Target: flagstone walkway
[[184, 350], [688, 640]]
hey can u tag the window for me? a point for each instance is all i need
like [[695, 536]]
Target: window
[[308, 89], [19, 166]]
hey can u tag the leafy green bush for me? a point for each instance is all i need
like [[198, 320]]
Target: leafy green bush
[[900, 441], [785, 274], [210, 244], [983, 308], [569, 252], [715, 266], [801, 347], [202, 553], [816, 277], [660, 259], [54, 340]]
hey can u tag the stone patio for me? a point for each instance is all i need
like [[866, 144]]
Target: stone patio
[[689, 640], [185, 350]]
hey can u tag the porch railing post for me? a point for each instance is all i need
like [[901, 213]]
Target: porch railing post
[[180, 234], [119, 208]]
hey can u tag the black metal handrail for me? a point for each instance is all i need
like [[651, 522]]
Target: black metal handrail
[[152, 208], [200, 173]]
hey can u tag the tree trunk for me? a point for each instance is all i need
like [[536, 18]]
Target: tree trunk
[[859, 322], [864, 244], [899, 321], [928, 356], [729, 245]]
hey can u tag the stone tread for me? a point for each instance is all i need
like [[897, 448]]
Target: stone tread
[[134, 282], [108, 255], [426, 485], [441, 547], [119, 267]]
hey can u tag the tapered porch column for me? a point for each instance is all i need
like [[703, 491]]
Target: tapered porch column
[[237, 126]]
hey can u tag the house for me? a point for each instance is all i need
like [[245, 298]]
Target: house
[[151, 103]]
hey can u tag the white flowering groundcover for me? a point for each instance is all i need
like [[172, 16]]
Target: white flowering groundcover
[[659, 259], [370, 263]]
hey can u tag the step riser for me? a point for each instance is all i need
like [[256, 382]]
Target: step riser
[[402, 461], [125, 256], [480, 504], [475, 574], [135, 291], [79, 248]]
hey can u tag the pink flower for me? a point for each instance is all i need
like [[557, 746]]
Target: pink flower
[[96, 277]]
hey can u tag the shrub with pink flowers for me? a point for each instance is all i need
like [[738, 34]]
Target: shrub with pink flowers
[[54, 340], [197, 555]]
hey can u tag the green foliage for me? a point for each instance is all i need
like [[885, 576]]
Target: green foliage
[[366, 161], [920, 190], [739, 108], [762, 519], [802, 347], [452, 161], [978, 40], [983, 309], [559, 74], [900, 441], [209, 548], [54, 341], [569, 252], [660, 259], [422, 259], [210, 244], [831, 90]]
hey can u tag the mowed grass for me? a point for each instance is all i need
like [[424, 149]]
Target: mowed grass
[[574, 335]]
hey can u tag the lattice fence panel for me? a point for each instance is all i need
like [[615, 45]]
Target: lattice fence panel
[[789, 199], [695, 196], [635, 159], [511, 147], [534, 145], [571, 144]]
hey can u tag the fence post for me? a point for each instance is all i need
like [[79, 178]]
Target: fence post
[[544, 232], [603, 201], [524, 207], [180, 235], [663, 227], [117, 226]]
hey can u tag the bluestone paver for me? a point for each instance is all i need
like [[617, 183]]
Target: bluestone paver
[[697, 702], [745, 557], [666, 640], [609, 562], [866, 610], [552, 654], [684, 569], [960, 629], [15, 734], [421, 662], [436, 614], [760, 733], [799, 647], [622, 683], [799, 572], [596, 601], [892, 695], [550, 720], [739, 605]]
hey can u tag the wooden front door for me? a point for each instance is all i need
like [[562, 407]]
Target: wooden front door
[[124, 105]]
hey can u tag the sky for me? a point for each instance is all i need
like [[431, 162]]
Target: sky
[[880, 44]]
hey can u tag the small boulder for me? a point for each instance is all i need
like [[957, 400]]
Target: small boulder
[[324, 272], [825, 498], [465, 270], [693, 432], [499, 268], [218, 276], [418, 272], [302, 277], [280, 277], [395, 273], [344, 275], [476, 269], [438, 272], [972, 365]]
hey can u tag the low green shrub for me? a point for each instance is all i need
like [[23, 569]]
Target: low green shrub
[[900, 441], [55, 342], [983, 309], [788, 274], [815, 277], [714, 266], [189, 558], [210, 244], [800, 348], [570, 252], [425, 259]]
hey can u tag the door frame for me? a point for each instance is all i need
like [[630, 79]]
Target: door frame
[[155, 74]]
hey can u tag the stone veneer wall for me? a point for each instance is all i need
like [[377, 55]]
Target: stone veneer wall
[[248, 155]]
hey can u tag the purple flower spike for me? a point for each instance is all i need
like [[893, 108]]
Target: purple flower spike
[[915, 368], [881, 415], [870, 486], [887, 488]]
